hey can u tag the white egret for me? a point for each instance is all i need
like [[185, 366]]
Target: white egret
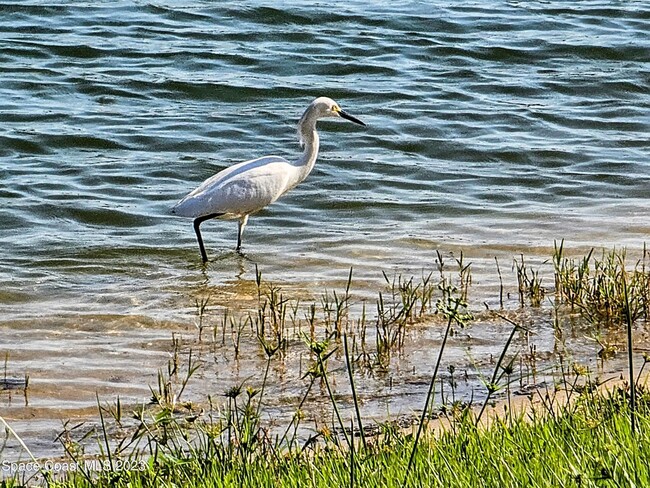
[[246, 188]]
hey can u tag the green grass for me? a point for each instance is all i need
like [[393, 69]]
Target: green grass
[[588, 443]]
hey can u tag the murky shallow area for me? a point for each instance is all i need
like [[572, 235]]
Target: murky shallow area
[[106, 357]]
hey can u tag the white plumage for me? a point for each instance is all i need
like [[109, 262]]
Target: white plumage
[[246, 188]]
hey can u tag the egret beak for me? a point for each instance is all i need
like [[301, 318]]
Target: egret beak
[[349, 117]]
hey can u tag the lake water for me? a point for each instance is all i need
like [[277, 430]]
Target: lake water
[[493, 128]]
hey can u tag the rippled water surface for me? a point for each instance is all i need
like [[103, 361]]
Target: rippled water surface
[[493, 128]]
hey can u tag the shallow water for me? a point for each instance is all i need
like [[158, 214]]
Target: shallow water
[[493, 129]]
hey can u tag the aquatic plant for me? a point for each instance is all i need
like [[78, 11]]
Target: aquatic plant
[[529, 283], [603, 289]]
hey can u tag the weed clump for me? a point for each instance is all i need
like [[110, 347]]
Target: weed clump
[[602, 289]]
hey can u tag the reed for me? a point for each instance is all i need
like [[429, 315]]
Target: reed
[[201, 312], [355, 398], [499, 370], [529, 283], [454, 308], [600, 288]]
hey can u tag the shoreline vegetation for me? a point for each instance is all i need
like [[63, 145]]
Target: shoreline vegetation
[[575, 430]]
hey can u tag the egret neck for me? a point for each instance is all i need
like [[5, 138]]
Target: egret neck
[[309, 139]]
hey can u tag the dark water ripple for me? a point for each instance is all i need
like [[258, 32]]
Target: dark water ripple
[[490, 125]]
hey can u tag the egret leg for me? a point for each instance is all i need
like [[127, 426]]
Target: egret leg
[[242, 223], [197, 224]]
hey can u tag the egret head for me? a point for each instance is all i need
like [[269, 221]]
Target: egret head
[[326, 107], [319, 108]]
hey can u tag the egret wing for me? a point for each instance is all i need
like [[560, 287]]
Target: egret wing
[[239, 190]]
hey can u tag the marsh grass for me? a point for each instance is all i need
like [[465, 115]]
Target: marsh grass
[[529, 283], [9, 383], [588, 442], [603, 289]]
